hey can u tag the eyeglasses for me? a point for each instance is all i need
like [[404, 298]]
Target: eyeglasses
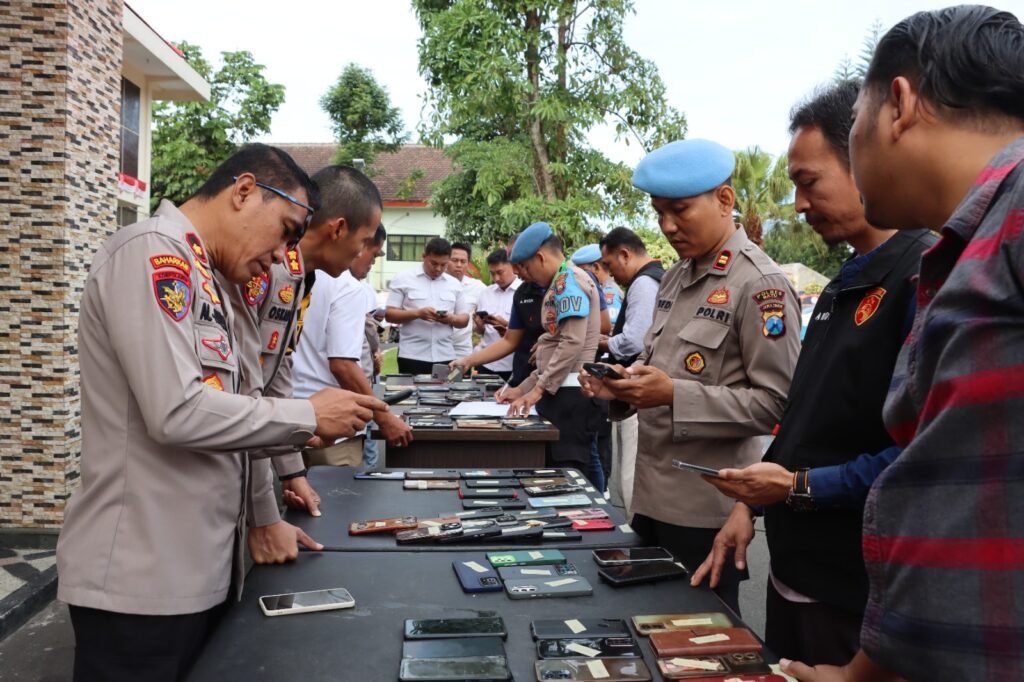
[[294, 241]]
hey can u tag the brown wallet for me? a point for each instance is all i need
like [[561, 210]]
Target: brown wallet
[[704, 642]]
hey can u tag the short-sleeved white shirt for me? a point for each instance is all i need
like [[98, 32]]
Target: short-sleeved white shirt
[[462, 339], [419, 339], [498, 302]]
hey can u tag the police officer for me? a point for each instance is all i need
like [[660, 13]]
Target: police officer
[[150, 538], [717, 359], [588, 258], [571, 318]]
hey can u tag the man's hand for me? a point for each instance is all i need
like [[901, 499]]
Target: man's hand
[[428, 314], [602, 343], [478, 323], [341, 413], [860, 669], [498, 322], [643, 387], [460, 363], [299, 494], [761, 483], [278, 543], [378, 362], [736, 534], [594, 387], [507, 395], [521, 406], [396, 432]]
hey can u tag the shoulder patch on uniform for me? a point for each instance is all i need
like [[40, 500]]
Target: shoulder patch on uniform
[[774, 323], [219, 345], [286, 294], [169, 260], [719, 296], [292, 259], [173, 293], [868, 305], [695, 363], [766, 295], [256, 289], [213, 381], [211, 293], [569, 299], [722, 261], [201, 269], [196, 244], [560, 282]]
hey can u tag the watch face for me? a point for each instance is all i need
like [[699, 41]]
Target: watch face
[[800, 502]]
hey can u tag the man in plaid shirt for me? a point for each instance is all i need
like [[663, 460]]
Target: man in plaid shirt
[[938, 142]]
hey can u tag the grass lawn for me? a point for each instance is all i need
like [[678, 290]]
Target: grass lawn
[[390, 364]]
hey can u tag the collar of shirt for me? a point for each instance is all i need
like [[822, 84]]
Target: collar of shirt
[[968, 215], [853, 265]]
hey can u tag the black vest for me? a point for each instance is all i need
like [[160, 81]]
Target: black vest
[[834, 414], [655, 271], [527, 301]]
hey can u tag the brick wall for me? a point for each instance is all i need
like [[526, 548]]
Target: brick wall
[[60, 72]]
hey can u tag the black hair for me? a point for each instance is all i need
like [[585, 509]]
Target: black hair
[[497, 257], [552, 243], [829, 109], [623, 237], [380, 235], [346, 193], [465, 247], [967, 61], [270, 165], [438, 246]]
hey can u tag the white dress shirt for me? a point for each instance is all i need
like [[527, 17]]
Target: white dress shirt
[[498, 302], [420, 339], [462, 338]]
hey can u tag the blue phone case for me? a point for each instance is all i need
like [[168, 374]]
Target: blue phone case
[[476, 580]]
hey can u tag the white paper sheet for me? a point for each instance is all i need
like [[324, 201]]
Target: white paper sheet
[[481, 408]]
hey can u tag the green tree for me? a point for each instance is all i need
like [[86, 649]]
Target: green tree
[[190, 139], [519, 85], [794, 241], [763, 190], [657, 246], [364, 121], [848, 70]]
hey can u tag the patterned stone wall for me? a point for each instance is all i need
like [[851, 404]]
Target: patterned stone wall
[[60, 70]]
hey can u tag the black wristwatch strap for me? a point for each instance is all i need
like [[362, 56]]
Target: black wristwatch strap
[[297, 474]]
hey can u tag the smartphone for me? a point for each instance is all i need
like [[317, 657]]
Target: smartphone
[[645, 625], [559, 535], [529, 572], [379, 475], [628, 555], [476, 514], [591, 647], [476, 576], [570, 500], [497, 504], [433, 474], [396, 398], [305, 602], [488, 473], [533, 557], [435, 628], [493, 493], [430, 485], [439, 371], [522, 533], [428, 534], [491, 482], [455, 647], [695, 468], [575, 628], [473, 534], [552, 489], [588, 669], [382, 525], [536, 588], [635, 574], [547, 480], [601, 371], [704, 642], [593, 524], [480, 668], [584, 514]]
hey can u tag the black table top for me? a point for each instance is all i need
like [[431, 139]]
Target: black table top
[[345, 500], [364, 643]]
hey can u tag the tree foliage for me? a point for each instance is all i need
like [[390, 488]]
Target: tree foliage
[[190, 139], [847, 69], [794, 241], [657, 246], [364, 121], [519, 86], [763, 190]]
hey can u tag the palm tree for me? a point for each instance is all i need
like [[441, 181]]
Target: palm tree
[[763, 190]]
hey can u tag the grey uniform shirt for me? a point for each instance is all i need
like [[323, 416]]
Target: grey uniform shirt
[[157, 522]]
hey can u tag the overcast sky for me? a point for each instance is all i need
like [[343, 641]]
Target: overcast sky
[[734, 67]]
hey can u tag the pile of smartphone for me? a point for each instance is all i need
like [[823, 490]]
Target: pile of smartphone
[[526, 574], [587, 649], [636, 565], [697, 646], [455, 649]]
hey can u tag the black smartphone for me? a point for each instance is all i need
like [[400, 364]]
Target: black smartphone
[[592, 647], [477, 576], [635, 574], [436, 628], [480, 668], [396, 398], [601, 371], [460, 647], [473, 534], [483, 313], [379, 475], [575, 628], [631, 555]]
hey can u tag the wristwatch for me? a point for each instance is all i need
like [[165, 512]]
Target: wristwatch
[[799, 498]]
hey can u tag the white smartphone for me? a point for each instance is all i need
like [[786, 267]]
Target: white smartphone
[[304, 602], [696, 468]]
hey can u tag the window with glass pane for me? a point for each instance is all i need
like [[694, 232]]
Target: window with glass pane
[[131, 115], [407, 247]]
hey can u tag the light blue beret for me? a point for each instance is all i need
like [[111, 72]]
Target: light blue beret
[[591, 253], [684, 169], [529, 241]]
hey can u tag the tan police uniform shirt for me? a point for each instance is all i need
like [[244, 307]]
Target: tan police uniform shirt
[[156, 525], [726, 328]]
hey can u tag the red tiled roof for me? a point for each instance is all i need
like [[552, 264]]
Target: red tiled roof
[[389, 171]]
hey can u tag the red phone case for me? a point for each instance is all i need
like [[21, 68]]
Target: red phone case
[[593, 524]]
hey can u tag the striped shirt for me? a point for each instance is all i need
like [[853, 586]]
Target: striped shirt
[[944, 524]]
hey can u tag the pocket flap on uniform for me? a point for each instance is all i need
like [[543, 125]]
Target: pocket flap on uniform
[[704, 333]]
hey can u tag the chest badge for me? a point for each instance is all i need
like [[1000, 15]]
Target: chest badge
[[272, 344], [256, 289], [719, 296], [695, 363], [286, 294], [868, 305]]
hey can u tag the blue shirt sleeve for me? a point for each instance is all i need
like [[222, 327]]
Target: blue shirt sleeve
[[846, 486]]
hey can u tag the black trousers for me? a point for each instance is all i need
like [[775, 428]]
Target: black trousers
[[410, 366], [692, 546], [814, 634], [127, 647]]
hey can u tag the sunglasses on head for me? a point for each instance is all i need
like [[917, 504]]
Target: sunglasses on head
[[294, 241]]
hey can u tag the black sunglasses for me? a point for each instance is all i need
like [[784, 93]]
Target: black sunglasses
[[294, 241]]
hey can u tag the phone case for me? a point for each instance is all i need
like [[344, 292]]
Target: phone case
[[493, 504], [666, 622], [440, 521], [488, 493], [535, 557], [592, 647], [472, 534], [537, 588], [579, 628], [382, 525], [479, 668], [476, 576], [491, 482], [429, 485], [522, 533], [453, 647], [378, 475], [437, 628], [544, 480], [431, 422], [488, 473], [703, 642], [538, 473], [591, 513], [489, 513], [635, 574], [589, 670], [623, 556], [593, 524], [561, 535], [428, 534], [552, 489], [535, 514], [433, 474], [750, 665], [530, 572], [574, 500]]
